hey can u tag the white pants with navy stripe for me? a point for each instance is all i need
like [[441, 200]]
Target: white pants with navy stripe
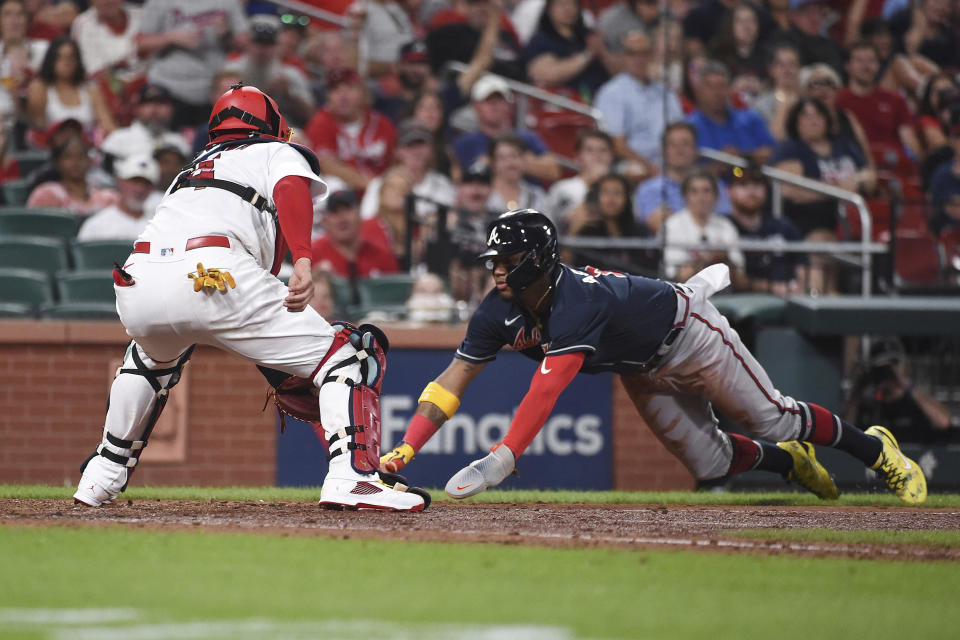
[[709, 366]]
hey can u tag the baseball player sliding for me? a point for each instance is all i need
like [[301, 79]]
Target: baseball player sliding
[[204, 272], [678, 358]]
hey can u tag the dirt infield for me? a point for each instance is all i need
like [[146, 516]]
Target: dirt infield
[[538, 524]]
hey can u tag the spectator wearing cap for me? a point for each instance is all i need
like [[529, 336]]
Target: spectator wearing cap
[[261, 66], [186, 43], [61, 91], [71, 189], [808, 24], [150, 128], [413, 78], [353, 142], [137, 177], [722, 126], [171, 158], [635, 109], [343, 249], [563, 52], [414, 152], [468, 235], [479, 33], [775, 272], [105, 34], [385, 28], [493, 104], [883, 114]]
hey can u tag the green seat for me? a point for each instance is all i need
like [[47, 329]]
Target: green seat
[[79, 311], [764, 308], [99, 254], [53, 223], [19, 287], [90, 285], [30, 160], [385, 291], [16, 192], [33, 252], [16, 310]]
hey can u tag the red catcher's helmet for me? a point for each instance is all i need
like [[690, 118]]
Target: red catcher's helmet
[[242, 112]]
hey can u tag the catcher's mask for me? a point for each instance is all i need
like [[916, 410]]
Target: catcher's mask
[[244, 112], [525, 231]]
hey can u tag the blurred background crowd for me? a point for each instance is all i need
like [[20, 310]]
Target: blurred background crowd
[[432, 116]]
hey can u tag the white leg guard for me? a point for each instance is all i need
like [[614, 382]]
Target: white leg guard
[[345, 486], [137, 397]]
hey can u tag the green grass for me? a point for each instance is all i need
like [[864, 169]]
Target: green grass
[[941, 500], [936, 538], [406, 589]]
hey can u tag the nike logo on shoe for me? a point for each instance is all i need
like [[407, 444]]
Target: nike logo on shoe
[[459, 488], [543, 367], [512, 320]]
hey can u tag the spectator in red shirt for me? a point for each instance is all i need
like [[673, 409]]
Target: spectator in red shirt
[[343, 249], [884, 115], [352, 141]]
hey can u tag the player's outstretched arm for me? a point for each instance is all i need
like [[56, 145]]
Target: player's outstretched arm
[[438, 402]]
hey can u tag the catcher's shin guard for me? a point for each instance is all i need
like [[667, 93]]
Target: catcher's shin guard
[[139, 390]]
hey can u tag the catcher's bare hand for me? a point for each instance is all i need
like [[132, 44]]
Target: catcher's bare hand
[[300, 287]]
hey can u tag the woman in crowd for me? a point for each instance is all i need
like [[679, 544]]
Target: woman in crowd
[[820, 82], [737, 43], [699, 223], [940, 100], [20, 58], [774, 104], [608, 213], [389, 228], [509, 189], [71, 190], [564, 53], [60, 92], [427, 109], [814, 150]]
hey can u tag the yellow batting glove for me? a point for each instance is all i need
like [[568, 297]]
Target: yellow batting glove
[[397, 459]]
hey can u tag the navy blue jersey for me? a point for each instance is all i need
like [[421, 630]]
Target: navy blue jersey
[[617, 320]]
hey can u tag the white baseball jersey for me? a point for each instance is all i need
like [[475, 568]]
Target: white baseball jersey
[[191, 212]]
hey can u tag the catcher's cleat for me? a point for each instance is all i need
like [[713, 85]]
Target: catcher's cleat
[[101, 482], [368, 494], [398, 458], [482, 474], [807, 472], [903, 476]]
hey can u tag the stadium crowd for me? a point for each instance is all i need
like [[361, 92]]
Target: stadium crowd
[[103, 102]]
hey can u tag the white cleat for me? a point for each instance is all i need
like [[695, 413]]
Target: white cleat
[[368, 494], [101, 482], [482, 474]]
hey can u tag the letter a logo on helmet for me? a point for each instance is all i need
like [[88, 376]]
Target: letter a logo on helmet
[[244, 112]]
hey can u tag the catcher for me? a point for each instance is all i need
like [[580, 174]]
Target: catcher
[[678, 358], [204, 272]]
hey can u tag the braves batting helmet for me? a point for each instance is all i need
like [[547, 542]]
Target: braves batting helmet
[[525, 231], [244, 112]]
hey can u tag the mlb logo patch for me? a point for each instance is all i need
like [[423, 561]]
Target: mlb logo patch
[[166, 251]]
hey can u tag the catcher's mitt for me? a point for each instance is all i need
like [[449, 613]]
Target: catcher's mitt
[[295, 397]]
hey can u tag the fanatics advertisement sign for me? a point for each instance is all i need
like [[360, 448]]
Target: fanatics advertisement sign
[[572, 451]]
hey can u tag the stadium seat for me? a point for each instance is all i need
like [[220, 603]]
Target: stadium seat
[[99, 254], [916, 260], [29, 160], [79, 311], [16, 192], [52, 223], [33, 252], [91, 285], [385, 291], [24, 290], [16, 310]]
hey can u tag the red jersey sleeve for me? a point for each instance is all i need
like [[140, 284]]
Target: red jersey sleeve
[[295, 213]]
